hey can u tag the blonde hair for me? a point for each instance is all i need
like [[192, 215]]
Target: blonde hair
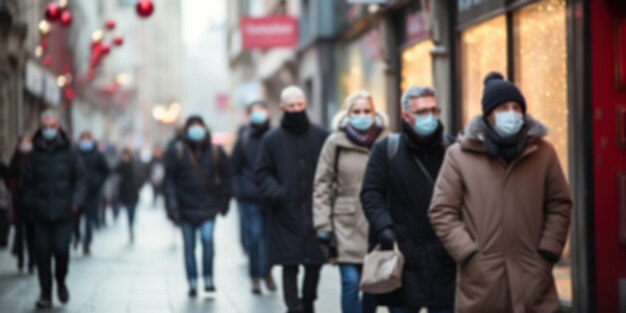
[[356, 96]]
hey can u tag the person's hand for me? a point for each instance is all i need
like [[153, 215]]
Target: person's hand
[[324, 237], [174, 216], [549, 256], [387, 239]]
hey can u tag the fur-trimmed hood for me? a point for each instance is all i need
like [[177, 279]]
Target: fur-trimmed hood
[[473, 136]]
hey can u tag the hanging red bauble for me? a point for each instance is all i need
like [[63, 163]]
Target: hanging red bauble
[[69, 94], [43, 44], [118, 40], [66, 18], [53, 12], [145, 8], [105, 48], [47, 60], [110, 25]]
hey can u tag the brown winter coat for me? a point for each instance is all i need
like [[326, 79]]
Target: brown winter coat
[[351, 227], [505, 214]]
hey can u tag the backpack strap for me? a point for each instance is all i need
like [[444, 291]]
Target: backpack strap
[[393, 142]]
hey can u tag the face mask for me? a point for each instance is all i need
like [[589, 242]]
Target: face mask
[[25, 147], [361, 122], [508, 123], [258, 117], [196, 133], [85, 145], [49, 133], [426, 125]]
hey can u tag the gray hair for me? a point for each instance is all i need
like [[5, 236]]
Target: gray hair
[[358, 95], [415, 92], [291, 93], [49, 115]]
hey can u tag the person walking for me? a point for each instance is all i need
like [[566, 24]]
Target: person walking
[[285, 173], [156, 169], [197, 188], [502, 207], [251, 206], [5, 207], [24, 238], [97, 171], [128, 188], [55, 186], [337, 213], [395, 195]]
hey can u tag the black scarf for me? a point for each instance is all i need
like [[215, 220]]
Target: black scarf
[[295, 122], [508, 148], [421, 144], [259, 130]]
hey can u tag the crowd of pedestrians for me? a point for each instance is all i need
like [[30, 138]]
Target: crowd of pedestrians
[[476, 220]]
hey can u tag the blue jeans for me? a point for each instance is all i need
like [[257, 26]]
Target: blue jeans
[[430, 310], [350, 280], [254, 231], [189, 239]]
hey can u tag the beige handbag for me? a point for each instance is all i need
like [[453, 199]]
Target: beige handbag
[[382, 271]]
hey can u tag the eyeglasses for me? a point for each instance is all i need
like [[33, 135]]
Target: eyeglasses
[[423, 112]]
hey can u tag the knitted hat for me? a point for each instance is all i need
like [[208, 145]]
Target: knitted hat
[[498, 91]]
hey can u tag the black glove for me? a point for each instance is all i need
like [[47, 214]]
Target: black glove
[[549, 256], [387, 238], [324, 237], [174, 216]]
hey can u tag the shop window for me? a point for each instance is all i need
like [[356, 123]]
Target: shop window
[[483, 49], [540, 56], [417, 65]]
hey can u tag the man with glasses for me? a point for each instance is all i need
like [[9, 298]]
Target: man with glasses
[[396, 193]]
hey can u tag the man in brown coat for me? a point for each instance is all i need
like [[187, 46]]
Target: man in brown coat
[[501, 207]]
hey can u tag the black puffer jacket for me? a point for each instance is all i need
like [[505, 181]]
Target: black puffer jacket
[[130, 182], [54, 179], [243, 162], [97, 171], [396, 193], [196, 192], [285, 173]]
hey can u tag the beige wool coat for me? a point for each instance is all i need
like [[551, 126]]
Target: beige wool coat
[[349, 221], [504, 214]]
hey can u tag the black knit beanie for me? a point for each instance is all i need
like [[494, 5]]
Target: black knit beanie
[[194, 119], [498, 91]]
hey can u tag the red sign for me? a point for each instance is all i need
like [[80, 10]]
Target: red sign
[[269, 32]]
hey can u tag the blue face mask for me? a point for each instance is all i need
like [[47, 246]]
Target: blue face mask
[[49, 133], [426, 125], [196, 133], [361, 122], [86, 145], [508, 123], [258, 117]]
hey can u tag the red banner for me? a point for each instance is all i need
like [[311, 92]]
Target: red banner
[[269, 32]]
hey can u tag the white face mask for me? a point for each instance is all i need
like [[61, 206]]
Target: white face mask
[[25, 147], [508, 123]]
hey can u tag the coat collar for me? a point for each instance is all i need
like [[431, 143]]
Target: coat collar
[[473, 138]]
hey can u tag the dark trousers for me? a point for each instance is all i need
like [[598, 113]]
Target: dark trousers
[[5, 226], [24, 243], [309, 287], [52, 240]]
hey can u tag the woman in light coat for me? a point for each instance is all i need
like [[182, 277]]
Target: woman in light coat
[[337, 213]]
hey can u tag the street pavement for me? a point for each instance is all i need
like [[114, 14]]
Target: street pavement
[[148, 275]]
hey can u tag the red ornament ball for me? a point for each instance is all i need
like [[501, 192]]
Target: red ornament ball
[[110, 25], [66, 18], [118, 40], [69, 94], [53, 12], [144, 8], [43, 44], [47, 60], [105, 48]]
